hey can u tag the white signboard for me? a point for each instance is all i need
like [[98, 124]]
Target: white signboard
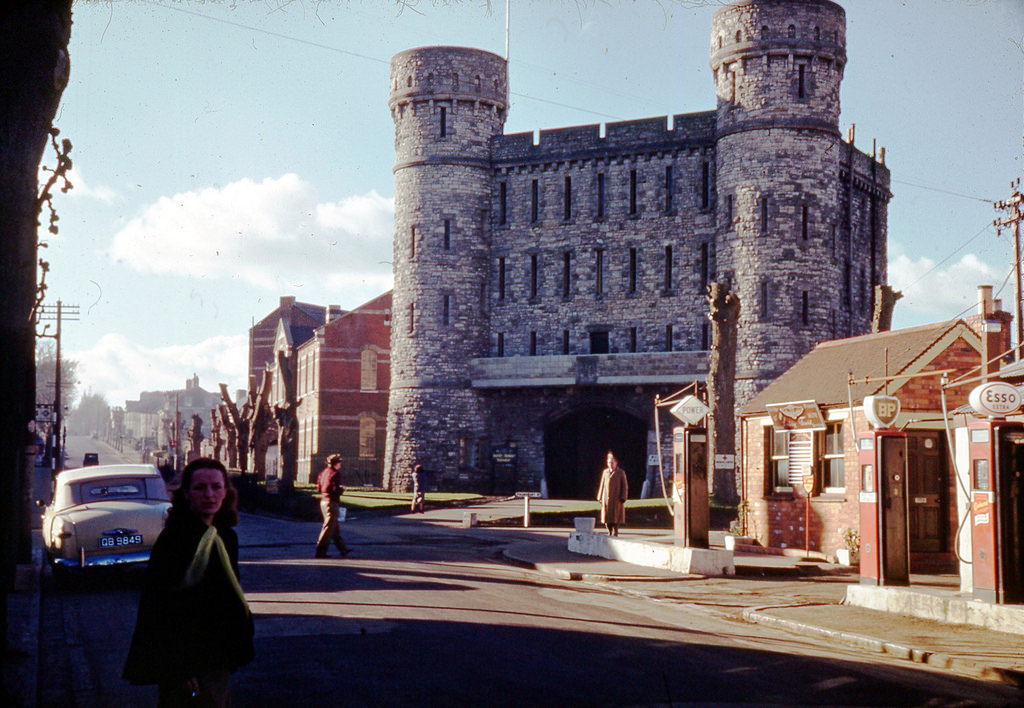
[[995, 399], [881, 411], [725, 462], [691, 410]]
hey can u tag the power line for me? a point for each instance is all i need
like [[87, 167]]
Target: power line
[[944, 191]]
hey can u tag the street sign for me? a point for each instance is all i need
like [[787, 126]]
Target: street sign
[[691, 410], [796, 415], [44, 412]]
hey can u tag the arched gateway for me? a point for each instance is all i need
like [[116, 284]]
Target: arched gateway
[[575, 446]]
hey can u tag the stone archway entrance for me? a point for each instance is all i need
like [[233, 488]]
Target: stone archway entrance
[[575, 448]]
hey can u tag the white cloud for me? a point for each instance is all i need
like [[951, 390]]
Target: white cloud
[[274, 234], [82, 189], [933, 294], [120, 369]]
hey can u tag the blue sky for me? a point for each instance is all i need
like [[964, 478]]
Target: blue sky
[[229, 153]]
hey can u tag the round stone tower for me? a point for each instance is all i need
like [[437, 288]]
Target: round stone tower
[[447, 104], [777, 66]]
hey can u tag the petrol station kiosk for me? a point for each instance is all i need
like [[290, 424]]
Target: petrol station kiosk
[[882, 460], [996, 454], [691, 512]]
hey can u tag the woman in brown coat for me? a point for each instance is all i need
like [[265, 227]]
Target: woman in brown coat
[[612, 493]]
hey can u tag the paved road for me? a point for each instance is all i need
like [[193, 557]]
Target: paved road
[[424, 615]]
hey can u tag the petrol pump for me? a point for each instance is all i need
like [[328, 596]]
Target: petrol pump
[[996, 452], [690, 486], [882, 458]]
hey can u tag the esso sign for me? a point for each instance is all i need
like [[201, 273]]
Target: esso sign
[[995, 399], [881, 411]]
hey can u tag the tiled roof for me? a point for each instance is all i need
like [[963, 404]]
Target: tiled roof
[[822, 374]]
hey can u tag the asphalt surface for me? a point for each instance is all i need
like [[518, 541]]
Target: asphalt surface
[[783, 591]]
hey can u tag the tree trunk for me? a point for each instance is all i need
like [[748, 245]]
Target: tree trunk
[[724, 312], [34, 67]]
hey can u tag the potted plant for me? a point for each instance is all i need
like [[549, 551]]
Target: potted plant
[[850, 555]]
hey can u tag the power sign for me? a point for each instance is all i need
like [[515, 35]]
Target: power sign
[[995, 399]]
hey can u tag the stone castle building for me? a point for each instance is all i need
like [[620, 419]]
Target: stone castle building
[[547, 289]]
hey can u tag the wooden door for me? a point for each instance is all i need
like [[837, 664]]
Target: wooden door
[[927, 483]]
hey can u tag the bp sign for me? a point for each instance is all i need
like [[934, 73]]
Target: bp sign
[[995, 399], [691, 410], [881, 411]]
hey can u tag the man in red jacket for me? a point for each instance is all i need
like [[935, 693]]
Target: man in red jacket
[[330, 488]]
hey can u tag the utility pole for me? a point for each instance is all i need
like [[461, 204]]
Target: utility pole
[[1012, 219], [59, 312]]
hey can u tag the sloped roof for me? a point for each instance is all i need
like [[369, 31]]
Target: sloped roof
[[822, 374]]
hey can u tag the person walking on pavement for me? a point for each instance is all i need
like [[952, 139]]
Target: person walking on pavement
[[419, 487], [329, 485], [612, 493]]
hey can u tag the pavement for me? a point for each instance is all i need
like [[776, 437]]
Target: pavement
[[806, 597]]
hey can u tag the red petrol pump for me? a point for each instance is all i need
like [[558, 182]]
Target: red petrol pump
[[997, 510], [884, 538], [691, 512]]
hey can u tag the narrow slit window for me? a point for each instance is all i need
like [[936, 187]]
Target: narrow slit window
[[705, 265], [412, 316], [600, 195], [765, 308], [668, 338], [534, 200], [632, 339], [804, 221], [668, 268], [805, 307], [447, 234], [503, 203], [567, 274], [705, 185], [565, 341], [632, 270], [533, 344], [632, 191], [501, 278], [567, 199], [801, 91], [534, 268], [412, 242], [764, 216], [599, 271], [501, 344], [444, 122], [668, 188], [446, 310]]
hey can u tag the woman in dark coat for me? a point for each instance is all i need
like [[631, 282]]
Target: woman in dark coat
[[194, 627]]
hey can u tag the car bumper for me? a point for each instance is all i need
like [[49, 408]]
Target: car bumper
[[104, 560]]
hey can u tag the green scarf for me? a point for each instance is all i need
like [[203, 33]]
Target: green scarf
[[197, 568]]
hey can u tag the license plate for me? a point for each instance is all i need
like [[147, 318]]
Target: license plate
[[121, 540]]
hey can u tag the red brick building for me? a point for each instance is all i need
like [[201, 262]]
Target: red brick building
[[343, 373], [774, 461], [263, 334]]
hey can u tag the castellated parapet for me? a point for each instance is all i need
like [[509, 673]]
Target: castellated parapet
[[549, 285]]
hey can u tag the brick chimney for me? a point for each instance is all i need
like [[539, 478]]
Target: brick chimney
[[992, 324]]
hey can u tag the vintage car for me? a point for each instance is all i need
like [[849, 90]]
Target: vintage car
[[104, 515]]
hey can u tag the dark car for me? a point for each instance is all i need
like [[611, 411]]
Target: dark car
[[91, 459]]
